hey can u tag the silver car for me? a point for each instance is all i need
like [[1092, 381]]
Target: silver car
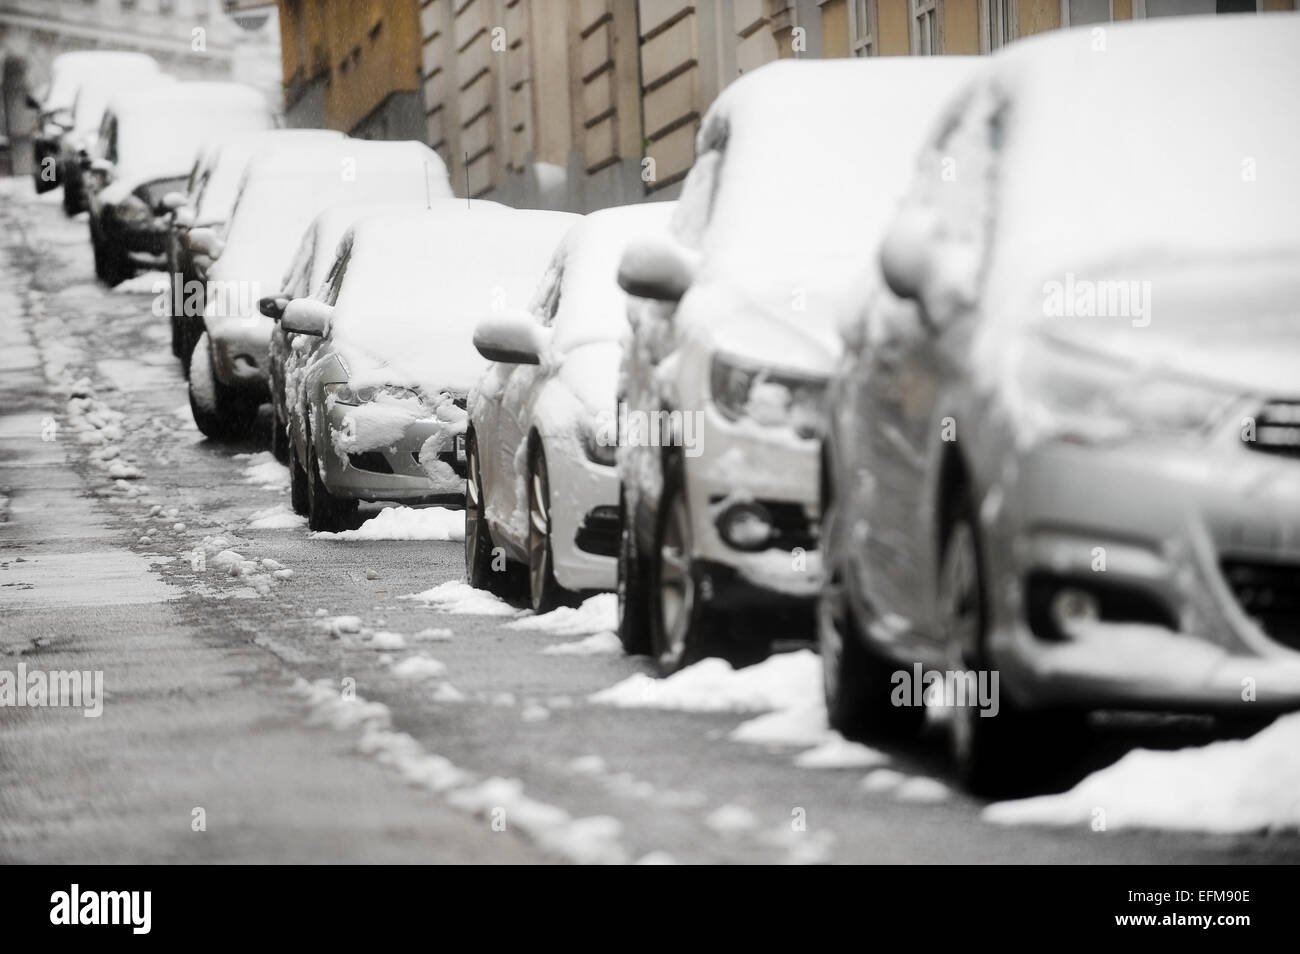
[[1063, 460]]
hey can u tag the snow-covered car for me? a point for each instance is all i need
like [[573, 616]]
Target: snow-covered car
[[70, 73], [306, 274], [543, 419], [1064, 450], [734, 337], [147, 144], [377, 398], [79, 143], [205, 202], [281, 192]]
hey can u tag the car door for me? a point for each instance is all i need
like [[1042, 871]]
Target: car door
[[507, 493], [910, 375]]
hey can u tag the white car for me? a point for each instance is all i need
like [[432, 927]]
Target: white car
[[799, 164], [282, 191], [377, 411], [543, 419]]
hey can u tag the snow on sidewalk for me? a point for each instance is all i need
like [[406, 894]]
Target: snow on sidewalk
[[1237, 785], [457, 596]]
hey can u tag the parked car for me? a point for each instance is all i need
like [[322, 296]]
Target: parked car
[[281, 192], [69, 72], [148, 141], [78, 144], [378, 407], [543, 419], [306, 275], [1067, 454], [208, 198], [724, 378]]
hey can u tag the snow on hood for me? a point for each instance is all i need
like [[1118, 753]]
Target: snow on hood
[[816, 156], [225, 162], [1099, 151], [86, 69], [161, 129], [92, 98], [284, 189], [418, 282]]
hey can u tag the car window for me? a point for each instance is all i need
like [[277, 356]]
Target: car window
[[695, 207], [551, 304], [334, 280]]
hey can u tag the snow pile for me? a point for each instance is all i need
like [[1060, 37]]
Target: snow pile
[[146, 283], [838, 752], [376, 425], [905, 788], [788, 681], [596, 614], [279, 517], [419, 668], [263, 470], [732, 820], [406, 523], [597, 644], [457, 596], [1230, 786]]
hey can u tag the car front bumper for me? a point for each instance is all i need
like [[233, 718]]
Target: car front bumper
[[394, 472]]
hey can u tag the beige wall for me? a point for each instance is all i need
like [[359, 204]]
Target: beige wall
[[835, 28], [961, 26], [892, 25], [1038, 15]]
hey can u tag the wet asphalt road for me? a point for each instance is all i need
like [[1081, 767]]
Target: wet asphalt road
[[206, 718]]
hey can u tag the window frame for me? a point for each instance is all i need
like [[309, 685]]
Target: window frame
[[864, 38], [929, 10]]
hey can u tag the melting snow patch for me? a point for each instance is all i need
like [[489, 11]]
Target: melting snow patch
[[419, 667], [1236, 785], [595, 615], [386, 640], [457, 596], [593, 645], [732, 820], [784, 681], [263, 470], [838, 752], [279, 517], [406, 523], [148, 283]]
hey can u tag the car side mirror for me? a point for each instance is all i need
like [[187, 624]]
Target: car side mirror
[[205, 241], [906, 250], [273, 306], [307, 316], [657, 267], [101, 166], [514, 337]]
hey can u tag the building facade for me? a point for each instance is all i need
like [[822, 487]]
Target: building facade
[[582, 104]]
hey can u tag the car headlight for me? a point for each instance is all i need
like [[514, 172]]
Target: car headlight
[[1075, 395], [768, 396], [598, 447], [133, 210], [353, 397]]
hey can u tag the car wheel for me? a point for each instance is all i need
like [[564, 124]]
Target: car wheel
[[325, 511], [544, 592], [112, 266], [633, 599], [279, 437], [297, 482], [478, 539], [212, 414], [858, 684]]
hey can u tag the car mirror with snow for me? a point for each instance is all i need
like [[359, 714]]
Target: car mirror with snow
[[656, 267], [184, 217], [273, 306], [205, 241], [307, 316], [173, 201], [102, 166], [904, 254], [513, 337]]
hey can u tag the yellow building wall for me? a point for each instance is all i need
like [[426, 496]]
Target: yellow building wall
[[1279, 5], [1038, 15], [835, 28], [1123, 9], [891, 23], [961, 26]]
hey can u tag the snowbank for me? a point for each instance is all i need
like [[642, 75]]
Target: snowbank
[[406, 523], [457, 596]]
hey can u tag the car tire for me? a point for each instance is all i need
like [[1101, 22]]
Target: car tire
[[213, 412], [297, 482], [633, 586], [279, 437], [112, 266], [544, 593], [683, 629], [478, 538], [858, 684], [325, 511]]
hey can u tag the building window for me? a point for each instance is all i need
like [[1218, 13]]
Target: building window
[[925, 28], [997, 24], [1234, 6], [862, 28]]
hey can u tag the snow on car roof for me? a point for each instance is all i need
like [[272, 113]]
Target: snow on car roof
[[592, 306], [284, 189], [1103, 157], [417, 283], [71, 71], [816, 155], [92, 97], [228, 159], [320, 242], [160, 129]]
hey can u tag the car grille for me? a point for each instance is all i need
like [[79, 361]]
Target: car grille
[[372, 461], [1277, 429], [1269, 593]]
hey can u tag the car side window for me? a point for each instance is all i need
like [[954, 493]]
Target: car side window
[[334, 280], [695, 207], [551, 304]]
